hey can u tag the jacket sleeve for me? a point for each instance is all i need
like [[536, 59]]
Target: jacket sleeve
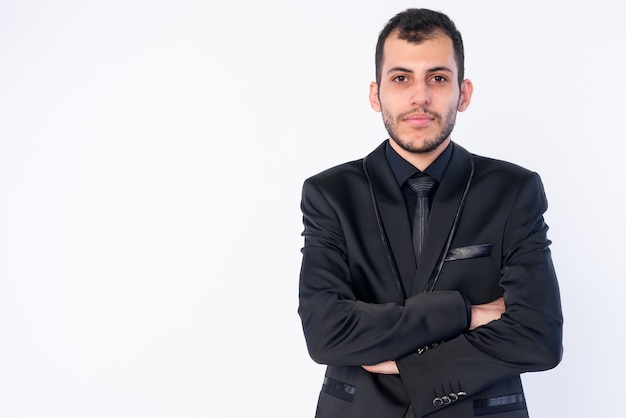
[[527, 338], [340, 329]]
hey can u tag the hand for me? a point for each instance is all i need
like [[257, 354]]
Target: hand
[[386, 367], [483, 314]]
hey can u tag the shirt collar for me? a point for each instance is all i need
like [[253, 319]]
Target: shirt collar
[[403, 170]]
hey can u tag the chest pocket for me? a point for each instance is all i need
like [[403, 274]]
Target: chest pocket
[[472, 251]]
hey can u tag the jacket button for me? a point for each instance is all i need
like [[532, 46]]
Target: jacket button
[[437, 402]]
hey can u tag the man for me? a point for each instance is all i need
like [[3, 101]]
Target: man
[[441, 323]]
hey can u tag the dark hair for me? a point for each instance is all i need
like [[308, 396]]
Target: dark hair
[[417, 26]]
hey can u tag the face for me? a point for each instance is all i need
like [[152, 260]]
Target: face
[[419, 94]]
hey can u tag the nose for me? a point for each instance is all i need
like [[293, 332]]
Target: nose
[[420, 95]]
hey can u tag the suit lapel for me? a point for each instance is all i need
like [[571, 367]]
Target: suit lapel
[[392, 209], [442, 214]]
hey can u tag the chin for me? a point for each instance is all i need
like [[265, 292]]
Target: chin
[[421, 147]]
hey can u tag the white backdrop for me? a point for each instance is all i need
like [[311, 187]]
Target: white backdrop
[[151, 159]]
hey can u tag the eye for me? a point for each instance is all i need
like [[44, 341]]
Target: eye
[[439, 79], [400, 79]]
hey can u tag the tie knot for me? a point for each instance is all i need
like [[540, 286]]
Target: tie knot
[[421, 186]]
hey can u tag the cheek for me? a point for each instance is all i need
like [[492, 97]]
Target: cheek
[[388, 115], [387, 106], [448, 105]]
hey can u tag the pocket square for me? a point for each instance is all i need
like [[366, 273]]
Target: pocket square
[[472, 251]]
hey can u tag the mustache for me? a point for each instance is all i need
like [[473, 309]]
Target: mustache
[[424, 110]]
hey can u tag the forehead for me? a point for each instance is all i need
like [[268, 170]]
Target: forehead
[[435, 51]]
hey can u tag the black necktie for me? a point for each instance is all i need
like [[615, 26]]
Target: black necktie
[[422, 188]]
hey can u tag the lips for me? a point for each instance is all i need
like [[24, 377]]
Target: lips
[[418, 119]]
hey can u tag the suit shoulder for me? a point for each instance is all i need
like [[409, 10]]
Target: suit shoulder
[[338, 174], [493, 166]]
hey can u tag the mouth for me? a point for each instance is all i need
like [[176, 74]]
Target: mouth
[[418, 119]]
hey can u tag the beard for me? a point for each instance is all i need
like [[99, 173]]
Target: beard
[[429, 144]]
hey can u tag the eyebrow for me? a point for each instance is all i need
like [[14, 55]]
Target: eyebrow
[[430, 70], [399, 69]]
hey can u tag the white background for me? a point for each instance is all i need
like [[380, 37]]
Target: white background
[[151, 160]]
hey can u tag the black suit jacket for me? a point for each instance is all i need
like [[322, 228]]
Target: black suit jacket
[[363, 298]]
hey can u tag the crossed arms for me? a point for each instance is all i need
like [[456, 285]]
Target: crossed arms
[[481, 315]]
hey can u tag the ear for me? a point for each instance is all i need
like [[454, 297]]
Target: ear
[[374, 102], [467, 88]]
